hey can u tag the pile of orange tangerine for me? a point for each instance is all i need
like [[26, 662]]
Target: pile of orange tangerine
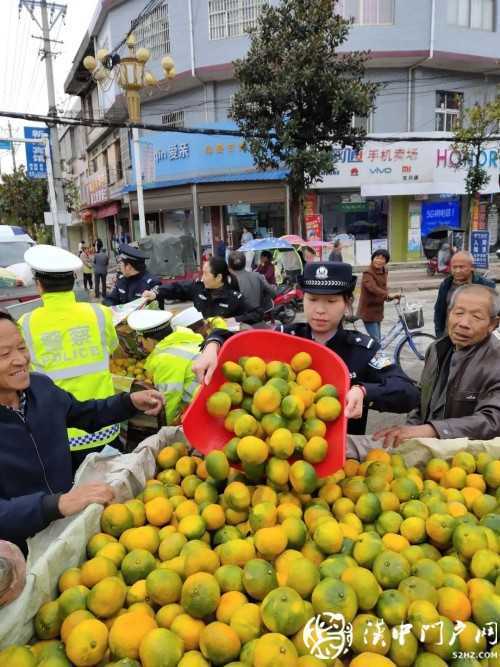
[[205, 568]]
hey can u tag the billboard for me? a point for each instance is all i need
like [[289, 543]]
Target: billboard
[[35, 153]]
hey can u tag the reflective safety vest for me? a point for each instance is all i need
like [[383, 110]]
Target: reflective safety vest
[[170, 366], [71, 343]]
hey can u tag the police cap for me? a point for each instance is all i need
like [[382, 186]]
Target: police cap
[[49, 260], [327, 278], [149, 321], [187, 318], [128, 252]]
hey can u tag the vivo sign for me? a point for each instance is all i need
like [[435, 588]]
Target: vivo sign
[[380, 171]]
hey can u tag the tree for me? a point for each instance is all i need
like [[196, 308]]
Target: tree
[[23, 201], [298, 94], [478, 128]]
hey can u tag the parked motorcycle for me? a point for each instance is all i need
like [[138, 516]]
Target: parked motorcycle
[[286, 304]]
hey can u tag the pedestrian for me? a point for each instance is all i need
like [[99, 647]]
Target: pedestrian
[[172, 344], [86, 258], [36, 484], [220, 248], [246, 237], [460, 389], [461, 273], [81, 246], [257, 292], [133, 279], [71, 342], [444, 258], [375, 382], [215, 295], [374, 293], [266, 267], [336, 254], [101, 262]]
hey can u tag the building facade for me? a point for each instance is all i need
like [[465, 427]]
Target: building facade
[[429, 58]]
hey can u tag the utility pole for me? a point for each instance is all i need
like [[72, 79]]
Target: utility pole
[[46, 24], [12, 149]]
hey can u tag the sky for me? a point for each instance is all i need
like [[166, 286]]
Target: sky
[[23, 85]]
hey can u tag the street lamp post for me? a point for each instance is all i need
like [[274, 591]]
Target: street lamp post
[[132, 78]]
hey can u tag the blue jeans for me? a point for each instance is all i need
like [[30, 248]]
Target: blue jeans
[[373, 330]]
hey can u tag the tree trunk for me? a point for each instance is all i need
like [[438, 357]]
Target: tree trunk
[[297, 206]]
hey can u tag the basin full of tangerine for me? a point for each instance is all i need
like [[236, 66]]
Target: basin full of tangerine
[[273, 397]]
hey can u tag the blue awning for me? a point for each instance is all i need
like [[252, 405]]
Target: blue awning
[[222, 178]]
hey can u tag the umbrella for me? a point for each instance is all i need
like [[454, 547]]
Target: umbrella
[[266, 244], [294, 239], [316, 243]]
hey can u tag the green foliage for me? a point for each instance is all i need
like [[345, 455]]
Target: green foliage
[[298, 94], [479, 124], [23, 201], [71, 196]]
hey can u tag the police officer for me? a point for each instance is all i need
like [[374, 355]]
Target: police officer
[[172, 345], [215, 295], [328, 295], [70, 342], [134, 279]]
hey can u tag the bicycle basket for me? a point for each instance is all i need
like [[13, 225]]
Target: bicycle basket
[[414, 316]]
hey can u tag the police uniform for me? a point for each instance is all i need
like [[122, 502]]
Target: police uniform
[[71, 342], [170, 363], [222, 302], [128, 289], [387, 388]]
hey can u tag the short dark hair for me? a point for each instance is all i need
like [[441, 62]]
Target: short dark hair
[[381, 252], [4, 315], [160, 334], [137, 264], [266, 253], [64, 282], [237, 260]]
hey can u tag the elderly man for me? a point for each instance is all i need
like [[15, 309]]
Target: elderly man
[[460, 386], [462, 273], [36, 481]]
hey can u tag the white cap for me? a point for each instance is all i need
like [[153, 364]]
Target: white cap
[[148, 320], [50, 259], [186, 318]]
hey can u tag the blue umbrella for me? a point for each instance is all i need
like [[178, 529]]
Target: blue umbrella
[[266, 244]]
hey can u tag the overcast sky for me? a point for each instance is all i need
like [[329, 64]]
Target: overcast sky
[[23, 85]]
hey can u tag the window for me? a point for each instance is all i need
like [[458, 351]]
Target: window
[[368, 12], [232, 18], [118, 160], [448, 109], [153, 31], [363, 122], [173, 119], [475, 14]]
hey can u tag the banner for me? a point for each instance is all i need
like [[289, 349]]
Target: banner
[[314, 227], [480, 247], [35, 153], [413, 250]]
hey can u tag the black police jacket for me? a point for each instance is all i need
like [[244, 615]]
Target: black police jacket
[[388, 389], [34, 456], [128, 289], [222, 302]]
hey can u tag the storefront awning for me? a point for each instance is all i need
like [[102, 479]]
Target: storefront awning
[[409, 189]]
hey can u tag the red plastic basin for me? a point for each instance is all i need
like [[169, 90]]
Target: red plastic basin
[[206, 433]]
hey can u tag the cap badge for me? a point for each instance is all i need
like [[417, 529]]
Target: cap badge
[[322, 273]]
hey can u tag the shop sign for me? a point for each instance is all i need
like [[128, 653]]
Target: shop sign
[[414, 231], [423, 164], [438, 214], [314, 227], [480, 247], [239, 209], [98, 187], [35, 153], [493, 224], [352, 207], [179, 155]]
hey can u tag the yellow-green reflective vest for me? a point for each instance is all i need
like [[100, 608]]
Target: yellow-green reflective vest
[[71, 343], [170, 366]]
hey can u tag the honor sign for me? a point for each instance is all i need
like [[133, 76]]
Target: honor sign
[[415, 167]]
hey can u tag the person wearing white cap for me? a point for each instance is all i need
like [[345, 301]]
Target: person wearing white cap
[[70, 342], [173, 343]]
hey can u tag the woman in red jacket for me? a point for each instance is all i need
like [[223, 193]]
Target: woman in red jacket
[[374, 293]]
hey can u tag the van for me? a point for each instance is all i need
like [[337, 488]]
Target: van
[[13, 244]]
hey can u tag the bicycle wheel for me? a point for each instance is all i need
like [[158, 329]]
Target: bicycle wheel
[[409, 362]]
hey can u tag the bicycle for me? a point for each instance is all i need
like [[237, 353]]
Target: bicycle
[[411, 346]]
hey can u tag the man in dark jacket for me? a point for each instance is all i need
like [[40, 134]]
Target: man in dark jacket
[[35, 461], [257, 292], [462, 273], [134, 279], [460, 386], [101, 261]]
